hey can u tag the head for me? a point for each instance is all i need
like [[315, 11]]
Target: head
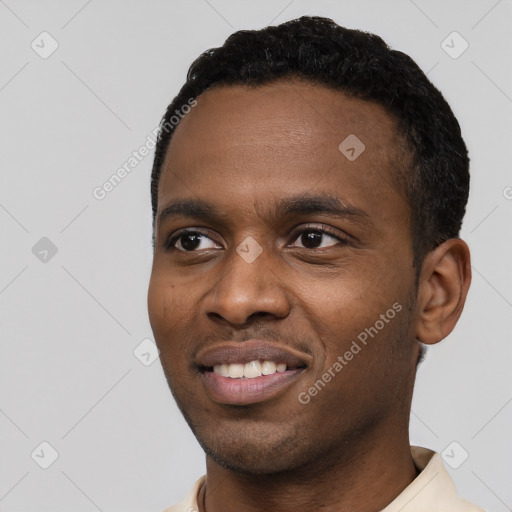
[[309, 195]]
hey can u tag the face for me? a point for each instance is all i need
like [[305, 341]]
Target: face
[[282, 284]]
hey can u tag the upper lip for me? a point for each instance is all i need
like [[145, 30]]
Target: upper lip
[[251, 350]]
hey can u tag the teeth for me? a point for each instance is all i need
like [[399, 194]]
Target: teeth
[[236, 371], [222, 369], [249, 370], [268, 368], [252, 369]]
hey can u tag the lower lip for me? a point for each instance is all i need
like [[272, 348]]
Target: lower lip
[[229, 391]]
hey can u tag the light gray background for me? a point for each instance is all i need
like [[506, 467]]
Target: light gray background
[[68, 375]]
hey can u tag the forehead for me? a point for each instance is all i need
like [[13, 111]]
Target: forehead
[[282, 138]]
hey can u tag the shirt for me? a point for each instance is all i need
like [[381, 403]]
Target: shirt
[[432, 490]]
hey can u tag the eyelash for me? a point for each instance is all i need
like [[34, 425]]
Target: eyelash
[[324, 230], [174, 238]]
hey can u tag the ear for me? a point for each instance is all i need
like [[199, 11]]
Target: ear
[[443, 286]]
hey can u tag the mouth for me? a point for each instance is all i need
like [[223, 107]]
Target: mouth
[[243, 373]]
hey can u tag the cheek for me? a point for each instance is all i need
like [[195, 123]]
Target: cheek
[[165, 317], [359, 303], [352, 292], [173, 310], [158, 297], [166, 306]]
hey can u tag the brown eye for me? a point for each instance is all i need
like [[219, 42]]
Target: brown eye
[[311, 239], [191, 241], [314, 238]]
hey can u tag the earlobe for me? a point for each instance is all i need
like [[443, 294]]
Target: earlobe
[[443, 286]]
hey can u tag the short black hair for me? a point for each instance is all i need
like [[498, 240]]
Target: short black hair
[[435, 177]]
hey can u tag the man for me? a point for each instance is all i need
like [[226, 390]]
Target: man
[[308, 189]]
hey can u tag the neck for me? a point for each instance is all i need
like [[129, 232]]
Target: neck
[[358, 479]]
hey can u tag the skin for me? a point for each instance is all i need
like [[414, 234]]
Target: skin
[[243, 150]]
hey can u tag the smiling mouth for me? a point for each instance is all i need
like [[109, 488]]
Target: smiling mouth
[[247, 390], [251, 370]]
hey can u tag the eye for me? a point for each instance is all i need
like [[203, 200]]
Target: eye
[[317, 238], [191, 241]]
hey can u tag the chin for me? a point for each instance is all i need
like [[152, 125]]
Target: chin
[[257, 450]]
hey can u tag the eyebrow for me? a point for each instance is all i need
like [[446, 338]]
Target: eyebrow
[[205, 211], [194, 208], [324, 204]]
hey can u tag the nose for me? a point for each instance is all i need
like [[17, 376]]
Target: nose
[[246, 289]]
